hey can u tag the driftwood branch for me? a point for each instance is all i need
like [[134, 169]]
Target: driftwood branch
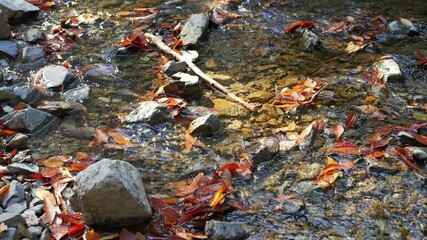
[[199, 72]]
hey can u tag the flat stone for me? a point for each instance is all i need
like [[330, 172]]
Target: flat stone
[[23, 156], [17, 208], [35, 231], [23, 168], [218, 230], [33, 35], [61, 108], [30, 218], [28, 94], [11, 234], [260, 96], [29, 120], [194, 29], [9, 49], [101, 71], [120, 183], [5, 32], [35, 201], [390, 69], [379, 166], [184, 85], [77, 94], [266, 150], [31, 54], [173, 67], [149, 112], [17, 10], [12, 220], [54, 77], [205, 125], [15, 194], [18, 141]]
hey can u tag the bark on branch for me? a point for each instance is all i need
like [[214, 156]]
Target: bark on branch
[[199, 72]]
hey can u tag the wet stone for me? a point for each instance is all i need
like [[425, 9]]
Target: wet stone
[[11, 234], [260, 96], [61, 108], [173, 67], [378, 166], [35, 201], [17, 208], [9, 49], [54, 77], [23, 156], [293, 206], [218, 230], [420, 153], [15, 194], [101, 71], [309, 41], [31, 54], [18, 141], [77, 94], [45, 235], [28, 94], [310, 172], [194, 29], [33, 35], [17, 10], [11, 219], [29, 120], [184, 85], [205, 126], [35, 231], [149, 112], [6, 94], [120, 183], [190, 54], [5, 32], [390, 69], [266, 150], [38, 209], [23, 168]]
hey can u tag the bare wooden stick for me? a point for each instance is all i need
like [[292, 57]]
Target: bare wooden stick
[[199, 72]]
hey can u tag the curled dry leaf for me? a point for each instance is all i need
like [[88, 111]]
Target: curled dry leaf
[[329, 173], [338, 131], [344, 147], [300, 24], [353, 47]]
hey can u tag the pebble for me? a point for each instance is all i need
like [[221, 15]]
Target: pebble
[[390, 69], [194, 29], [218, 230], [149, 112], [12, 220], [31, 54], [15, 194], [29, 120], [77, 94], [45, 235], [28, 94], [23, 168], [18, 207], [18, 141], [9, 49], [33, 35], [54, 77], [173, 67], [35, 231], [205, 126], [17, 10]]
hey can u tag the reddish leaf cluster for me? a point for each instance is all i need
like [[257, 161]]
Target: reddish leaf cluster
[[423, 60], [61, 41], [135, 42], [294, 26], [42, 3], [329, 173], [111, 138], [341, 26], [301, 94]]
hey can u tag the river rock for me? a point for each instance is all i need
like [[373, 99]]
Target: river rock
[[173, 67], [33, 35], [205, 126], [4, 26], [6, 94], [190, 54], [23, 156], [309, 40], [15, 194], [9, 49], [11, 234], [35, 231], [293, 205], [36, 201], [120, 183], [17, 208], [390, 69], [310, 171], [101, 71], [149, 112], [184, 85], [18, 141], [194, 29], [54, 77], [29, 120], [61, 108], [30, 218], [77, 94], [31, 54], [45, 235], [23, 168], [266, 150], [12, 220], [28, 94], [260, 96], [17, 10], [218, 230], [420, 153], [379, 166]]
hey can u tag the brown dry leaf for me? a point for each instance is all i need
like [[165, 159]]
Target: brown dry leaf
[[44, 194], [51, 209], [353, 47], [338, 131], [55, 162], [3, 190], [372, 111]]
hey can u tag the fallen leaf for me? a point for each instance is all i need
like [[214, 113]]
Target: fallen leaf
[[58, 230], [92, 235], [219, 195], [338, 131], [294, 26], [3, 190], [55, 162], [351, 120], [344, 147]]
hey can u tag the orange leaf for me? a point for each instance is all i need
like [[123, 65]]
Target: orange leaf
[[219, 195], [8, 132], [92, 235], [299, 24], [338, 131], [3, 190]]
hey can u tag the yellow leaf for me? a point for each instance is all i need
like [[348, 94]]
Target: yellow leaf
[[330, 160]]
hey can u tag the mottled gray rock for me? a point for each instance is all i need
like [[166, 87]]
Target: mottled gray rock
[[36, 201], [17, 208], [3, 63], [35, 231], [173, 67], [77, 94], [14, 194], [23, 156], [29, 120], [205, 126], [309, 40], [6, 94], [266, 150], [61, 108], [121, 184], [101, 71], [293, 205], [307, 188], [379, 166], [28, 94], [194, 29], [17, 141], [33, 35], [9, 49], [38, 209], [30, 218], [420, 153], [149, 112], [184, 85], [54, 77], [33, 53], [390, 69], [11, 219], [17, 10], [23, 168], [45, 235], [310, 172], [11, 234], [218, 230], [4, 26], [396, 27]]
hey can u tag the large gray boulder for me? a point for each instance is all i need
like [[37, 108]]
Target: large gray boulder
[[29, 120], [194, 29], [111, 193], [149, 112], [17, 10], [54, 77], [4, 26]]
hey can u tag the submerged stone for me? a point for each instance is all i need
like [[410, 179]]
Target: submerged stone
[[33, 35], [29, 120], [149, 112], [184, 85], [5, 32], [173, 67], [77, 94], [390, 69], [194, 29], [31, 54], [218, 230]]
